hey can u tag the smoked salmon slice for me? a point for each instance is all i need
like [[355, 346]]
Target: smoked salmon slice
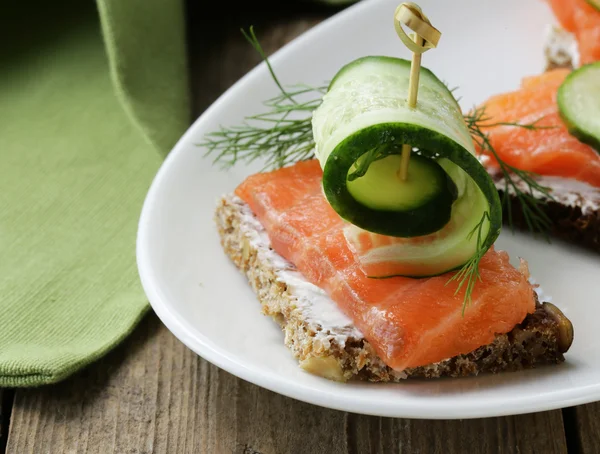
[[583, 20], [410, 322], [549, 151]]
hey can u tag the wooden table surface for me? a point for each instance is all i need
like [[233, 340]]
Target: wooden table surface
[[152, 394]]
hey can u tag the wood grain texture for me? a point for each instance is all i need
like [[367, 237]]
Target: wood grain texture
[[221, 55], [583, 428], [2, 413], [6, 400], [153, 395]]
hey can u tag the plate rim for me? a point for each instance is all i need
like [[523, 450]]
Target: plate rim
[[202, 346]]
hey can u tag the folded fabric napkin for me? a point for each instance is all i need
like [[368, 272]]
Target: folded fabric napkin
[[92, 96]]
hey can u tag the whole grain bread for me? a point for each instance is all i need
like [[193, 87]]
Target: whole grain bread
[[574, 217], [341, 353], [568, 223]]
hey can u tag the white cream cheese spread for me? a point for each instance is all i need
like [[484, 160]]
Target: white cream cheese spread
[[561, 48], [320, 312]]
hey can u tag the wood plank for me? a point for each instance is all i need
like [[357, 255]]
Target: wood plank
[[522, 434], [6, 400], [154, 395], [583, 428]]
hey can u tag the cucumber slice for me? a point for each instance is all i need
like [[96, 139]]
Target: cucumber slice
[[595, 4], [579, 104], [365, 109], [380, 188]]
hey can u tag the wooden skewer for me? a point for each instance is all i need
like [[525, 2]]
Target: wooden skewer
[[424, 38], [413, 91]]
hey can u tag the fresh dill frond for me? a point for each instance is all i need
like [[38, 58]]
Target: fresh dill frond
[[255, 43], [281, 135], [469, 273], [534, 196], [480, 118]]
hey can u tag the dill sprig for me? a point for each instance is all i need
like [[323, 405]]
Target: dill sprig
[[282, 135], [469, 274], [531, 205]]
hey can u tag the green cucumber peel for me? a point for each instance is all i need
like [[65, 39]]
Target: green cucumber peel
[[423, 220], [436, 127]]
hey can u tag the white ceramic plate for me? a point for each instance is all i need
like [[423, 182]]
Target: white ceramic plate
[[486, 47]]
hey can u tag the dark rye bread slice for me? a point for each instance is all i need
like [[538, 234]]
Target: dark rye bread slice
[[574, 216], [338, 351]]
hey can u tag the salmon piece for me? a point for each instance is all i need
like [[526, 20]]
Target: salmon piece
[[551, 152], [409, 322], [583, 20]]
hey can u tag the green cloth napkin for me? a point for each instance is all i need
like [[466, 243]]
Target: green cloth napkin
[[92, 96]]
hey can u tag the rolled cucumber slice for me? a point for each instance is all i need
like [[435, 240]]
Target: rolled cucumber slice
[[579, 104], [365, 109]]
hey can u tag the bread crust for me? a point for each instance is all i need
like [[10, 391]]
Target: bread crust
[[534, 342], [574, 217], [568, 222]]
